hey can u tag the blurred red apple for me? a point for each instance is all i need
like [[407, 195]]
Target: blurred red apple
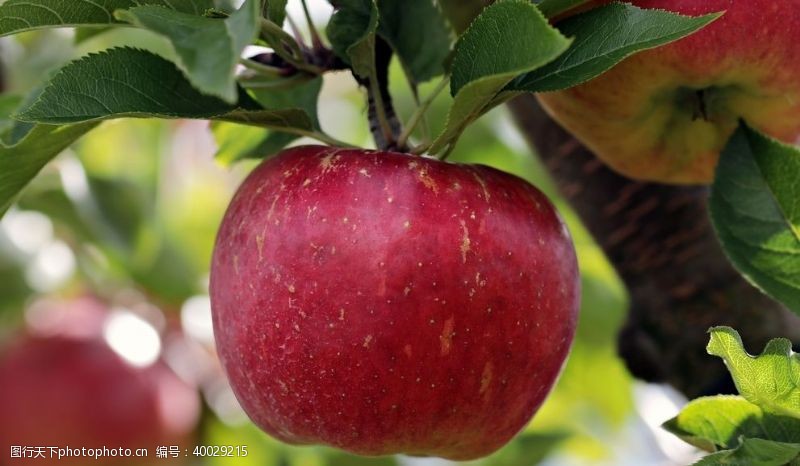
[[665, 114], [64, 386], [387, 303]]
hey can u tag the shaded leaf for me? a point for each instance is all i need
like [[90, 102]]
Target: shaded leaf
[[508, 38], [756, 213], [351, 31], [418, 34], [275, 11], [603, 37], [26, 15], [551, 8], [771, 380], [236, 142], [285, 95], [208, 49]]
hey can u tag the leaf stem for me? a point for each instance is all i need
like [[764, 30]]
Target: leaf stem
[[380, 108], [298, 36], [319, 136], [261, 68], [419, 113], [316, 40]]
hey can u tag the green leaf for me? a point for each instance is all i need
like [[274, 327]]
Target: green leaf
[[771, 380], [236, 142], [717, 422], [290, 95], [755, 210], [208, 48], [82, 34], [26, 15], [603, 37], [754, 452], [275, 11], [8, 104], [125, 82], [551, 8], [21, 160], [351, 31], [508, 38], [418, 34]]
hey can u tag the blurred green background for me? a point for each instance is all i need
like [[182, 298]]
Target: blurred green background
[[130, 212]]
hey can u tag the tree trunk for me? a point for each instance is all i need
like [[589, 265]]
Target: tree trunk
[[662, 244]]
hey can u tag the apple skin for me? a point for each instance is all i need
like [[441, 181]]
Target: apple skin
[[69, 388], [387, 303], [643, 117]]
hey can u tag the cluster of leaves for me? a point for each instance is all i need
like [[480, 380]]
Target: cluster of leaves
[[761, 427], [487, 65]]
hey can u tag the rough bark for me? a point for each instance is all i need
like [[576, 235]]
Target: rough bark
[[662, 244]]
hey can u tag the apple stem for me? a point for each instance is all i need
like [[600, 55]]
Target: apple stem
[[384, 124], [701, 110], [377, 111]]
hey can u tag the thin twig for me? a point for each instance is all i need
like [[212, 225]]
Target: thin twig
[[316, 40], [419, 113], [298, 36]]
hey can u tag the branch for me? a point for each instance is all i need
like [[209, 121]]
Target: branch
[[661, 242]]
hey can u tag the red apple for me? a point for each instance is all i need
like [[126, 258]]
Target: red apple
[[665, 114], [67, 388], [387, 303]]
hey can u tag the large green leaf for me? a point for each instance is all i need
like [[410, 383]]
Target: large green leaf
[[754, 452], [603, 37], [22, 159], [25, 15], [719, 422], [351, 31], [755, 210], [208, 49], [508, 38], [125, 82], [771, 380], [419, 35]]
